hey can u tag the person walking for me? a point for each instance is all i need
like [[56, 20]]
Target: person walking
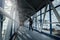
[[30, 23]]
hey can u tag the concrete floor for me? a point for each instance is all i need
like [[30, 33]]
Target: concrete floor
[[27, 34]]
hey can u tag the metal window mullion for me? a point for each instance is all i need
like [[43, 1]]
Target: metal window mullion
[[44, 13], [41, 26], [54, 10], [50, 19]]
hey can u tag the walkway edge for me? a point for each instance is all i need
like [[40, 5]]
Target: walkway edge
[[52, 36]]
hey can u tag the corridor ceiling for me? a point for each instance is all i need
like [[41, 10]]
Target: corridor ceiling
[[29, 7]]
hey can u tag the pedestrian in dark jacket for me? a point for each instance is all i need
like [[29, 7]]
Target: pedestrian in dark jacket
[[30, 23]]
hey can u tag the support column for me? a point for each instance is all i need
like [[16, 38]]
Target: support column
[[44, 14], [36, 22], [54, 10], [1, 22], [50, 19], [41, 26]]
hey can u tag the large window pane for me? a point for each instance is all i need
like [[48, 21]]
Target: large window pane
[[58, 10], [55, 26], [56, 2], [46, 27]]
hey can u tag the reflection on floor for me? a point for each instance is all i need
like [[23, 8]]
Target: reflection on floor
[[27, 34], [54, 32]]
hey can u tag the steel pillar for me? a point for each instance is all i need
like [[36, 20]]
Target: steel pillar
[[44, 13], [41, 26], [50, 19], [54, 10], [1, 24], [1, 18], [36, 21]]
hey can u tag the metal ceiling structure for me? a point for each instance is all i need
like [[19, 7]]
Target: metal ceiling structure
[[30, 7]]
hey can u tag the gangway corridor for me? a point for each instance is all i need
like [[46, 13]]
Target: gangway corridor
[[17, 17], [26, 34]]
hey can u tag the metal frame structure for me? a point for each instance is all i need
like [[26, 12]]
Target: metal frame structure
[[41, 25], [50, 19], [1, 19], [51, 7], [9, 29], [48, 10]]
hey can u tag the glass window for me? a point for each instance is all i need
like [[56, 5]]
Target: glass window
[[58, 10], [56, 2], [43, 10], [46, 27], [55, 26], [7, 8]]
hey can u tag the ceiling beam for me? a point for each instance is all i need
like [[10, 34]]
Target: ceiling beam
[[29, 5]]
